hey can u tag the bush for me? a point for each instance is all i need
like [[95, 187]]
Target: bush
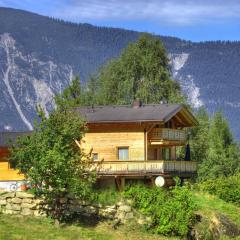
[[171, 212], [226, 188], [106, 196]]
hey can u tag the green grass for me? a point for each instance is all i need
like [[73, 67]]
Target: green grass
[[29, 228], [209, 205]]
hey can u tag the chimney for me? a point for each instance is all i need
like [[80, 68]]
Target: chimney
[[136, 103]]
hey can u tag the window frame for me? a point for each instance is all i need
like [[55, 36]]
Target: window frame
[[123, 147], [95, 154], [12, 165]]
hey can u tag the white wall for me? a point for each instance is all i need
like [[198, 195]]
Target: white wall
[[6, 185]]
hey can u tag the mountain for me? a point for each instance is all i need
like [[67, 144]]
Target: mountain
[[40, 55]]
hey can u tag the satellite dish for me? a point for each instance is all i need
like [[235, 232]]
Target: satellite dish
[[160, 181]]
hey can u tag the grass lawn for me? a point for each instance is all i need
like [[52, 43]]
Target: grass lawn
[[29, 228], [209, 204]]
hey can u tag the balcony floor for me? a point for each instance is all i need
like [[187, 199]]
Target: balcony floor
[[147, 168]]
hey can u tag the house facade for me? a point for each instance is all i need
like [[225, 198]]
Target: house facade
[[8, 174], [138, 141], [131, 142]]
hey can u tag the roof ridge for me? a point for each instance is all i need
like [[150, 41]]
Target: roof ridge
[[128, 105]]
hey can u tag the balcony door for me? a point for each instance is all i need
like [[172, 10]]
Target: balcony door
[[166, 153]]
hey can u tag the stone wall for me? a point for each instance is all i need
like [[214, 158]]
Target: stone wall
[[22, 203]]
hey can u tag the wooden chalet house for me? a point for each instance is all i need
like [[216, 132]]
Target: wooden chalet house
[[138, 141], [132, 141]]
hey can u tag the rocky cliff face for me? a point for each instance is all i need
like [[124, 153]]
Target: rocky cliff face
[[39, 56], [26, 82], [178, 62]]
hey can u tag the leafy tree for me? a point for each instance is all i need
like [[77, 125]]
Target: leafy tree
[[52, 162], [91, 91], [141, 72], [220, 132], [200, 136], [71, 96]]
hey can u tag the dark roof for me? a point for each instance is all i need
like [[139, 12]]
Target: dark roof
[[127, 113], [9, 138]]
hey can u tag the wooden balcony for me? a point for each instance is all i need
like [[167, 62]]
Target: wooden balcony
[[158, 135], [142, 168]]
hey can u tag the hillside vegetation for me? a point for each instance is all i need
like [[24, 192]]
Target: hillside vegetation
[[28, 228]]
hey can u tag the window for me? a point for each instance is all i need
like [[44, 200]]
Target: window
[[123, 153], [95, 156], [11, 164]]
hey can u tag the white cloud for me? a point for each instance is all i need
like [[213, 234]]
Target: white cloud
[[166, 11]]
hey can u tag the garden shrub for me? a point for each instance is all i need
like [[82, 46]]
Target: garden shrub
[[106, 196], [226, 188], [171, 211]]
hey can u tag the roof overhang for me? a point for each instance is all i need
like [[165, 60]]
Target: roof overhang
[[182, 113], [185, 115], [145, 114]]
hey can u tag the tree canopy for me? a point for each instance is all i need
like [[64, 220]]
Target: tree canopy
[[53, 163], [71, 96], [141, 71]]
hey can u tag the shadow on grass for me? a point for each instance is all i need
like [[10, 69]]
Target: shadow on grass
[[84, 220]]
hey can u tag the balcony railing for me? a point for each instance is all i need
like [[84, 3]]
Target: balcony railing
[[146, 167], [158, 134]]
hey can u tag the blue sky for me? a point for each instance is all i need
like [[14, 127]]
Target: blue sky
[[197, 20]]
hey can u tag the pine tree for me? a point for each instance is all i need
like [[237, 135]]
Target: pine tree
[[222, 157], [91, 92], [200, 136]]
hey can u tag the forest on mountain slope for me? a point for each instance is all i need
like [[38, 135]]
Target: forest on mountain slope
[[80, 49]]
